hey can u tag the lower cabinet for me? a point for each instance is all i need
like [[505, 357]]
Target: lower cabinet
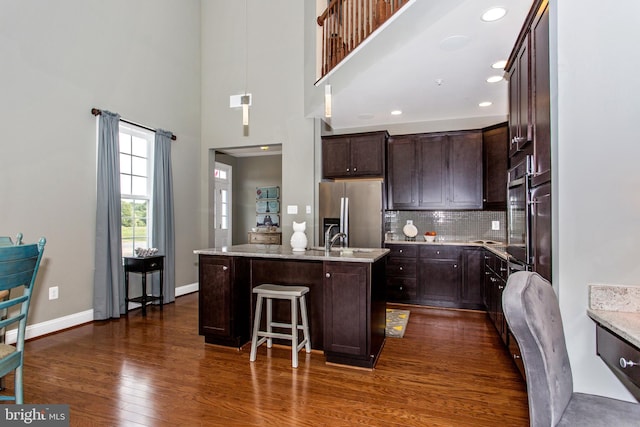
[[354, 312], [222, 307], [496, 273], [440, 275], [437, 275]]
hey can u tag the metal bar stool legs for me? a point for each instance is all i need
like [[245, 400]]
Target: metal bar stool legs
[[293, 294]]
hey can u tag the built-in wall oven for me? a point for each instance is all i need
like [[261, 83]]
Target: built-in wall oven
[[519, 244]]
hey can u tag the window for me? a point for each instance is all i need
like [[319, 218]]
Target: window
[[136, 154]]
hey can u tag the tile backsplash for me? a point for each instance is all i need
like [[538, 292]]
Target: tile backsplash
[[460, 226]]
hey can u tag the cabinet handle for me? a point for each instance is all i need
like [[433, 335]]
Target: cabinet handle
[[503, 269], [487, 273], [355, 169], [437, 252], [328, 275], [486, 257], [500, 287], [225, 268], [516, 356], [624, 363], [455, 265], [401, 268], [400, 288], [347, 169], [400, 251]]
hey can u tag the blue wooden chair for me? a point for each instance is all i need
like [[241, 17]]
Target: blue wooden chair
[[18, 268]]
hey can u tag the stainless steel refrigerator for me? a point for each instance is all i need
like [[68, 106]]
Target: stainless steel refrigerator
[[356, 207]]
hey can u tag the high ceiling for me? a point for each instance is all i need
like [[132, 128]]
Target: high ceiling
[[431, 62]]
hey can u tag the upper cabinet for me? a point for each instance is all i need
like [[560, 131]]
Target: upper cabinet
[[435, 171], [520, 100], [354, 156], [541, 115], [495, 146], [529, 94]]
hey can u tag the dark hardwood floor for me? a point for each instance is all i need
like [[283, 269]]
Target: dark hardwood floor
[[450, 369]]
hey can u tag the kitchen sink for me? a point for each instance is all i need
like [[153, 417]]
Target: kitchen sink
[[339, 249], [485, 242]]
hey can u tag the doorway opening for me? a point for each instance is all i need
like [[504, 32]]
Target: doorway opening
[[222, 197]]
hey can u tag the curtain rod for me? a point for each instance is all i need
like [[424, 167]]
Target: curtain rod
[[97, 112]]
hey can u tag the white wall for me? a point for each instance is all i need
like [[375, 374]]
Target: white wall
[[274, 78], [60, 59], [596, 196]]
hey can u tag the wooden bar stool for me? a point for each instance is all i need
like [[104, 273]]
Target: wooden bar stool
[[293, 294]]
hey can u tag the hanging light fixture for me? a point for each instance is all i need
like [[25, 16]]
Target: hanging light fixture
[[245, 100], [327, 101]]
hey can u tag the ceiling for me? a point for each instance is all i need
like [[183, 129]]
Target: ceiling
[[431, 62]]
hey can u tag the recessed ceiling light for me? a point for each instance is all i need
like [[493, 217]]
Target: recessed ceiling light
[[485, 104], [494, 79], [396, 112], [499, 65], [494, 14]]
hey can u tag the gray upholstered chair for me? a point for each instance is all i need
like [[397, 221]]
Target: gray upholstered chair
[[532, 312]]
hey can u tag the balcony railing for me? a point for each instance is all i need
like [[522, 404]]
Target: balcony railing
[[347, 23]]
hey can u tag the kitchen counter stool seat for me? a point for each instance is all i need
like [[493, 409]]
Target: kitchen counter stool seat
[[295, 294]]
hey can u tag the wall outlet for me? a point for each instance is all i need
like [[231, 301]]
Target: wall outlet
[[53, 292], [409, 222], [292, 209], [308, 209], [495, 225]]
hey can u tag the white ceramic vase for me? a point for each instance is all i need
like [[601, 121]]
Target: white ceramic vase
[[298, 238]]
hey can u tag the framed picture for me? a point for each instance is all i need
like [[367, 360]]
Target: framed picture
[[267, 206], [267, 193], [267, 220]]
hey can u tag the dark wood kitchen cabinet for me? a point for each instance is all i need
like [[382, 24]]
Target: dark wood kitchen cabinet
[[495, 159], [520, 129], [471, 295], [541, 94], [354, 156], [354, 312], [440, 273], [402, 273], [495, 279], [435, 171], [541, 229], [222, 306]]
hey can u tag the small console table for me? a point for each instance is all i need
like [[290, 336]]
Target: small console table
[[143, 265]]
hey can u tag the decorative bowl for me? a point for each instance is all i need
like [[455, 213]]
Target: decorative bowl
[[429, 238]]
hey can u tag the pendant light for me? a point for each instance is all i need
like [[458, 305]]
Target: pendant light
[[245, 100], [327, 101]]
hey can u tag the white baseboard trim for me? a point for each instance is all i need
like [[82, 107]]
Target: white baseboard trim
[[60, 323]]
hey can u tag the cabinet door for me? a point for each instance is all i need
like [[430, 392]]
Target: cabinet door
[[345, 308], [431, 152], [541, 99], [495, 155], [335, 157], [519, 100], [214, 299], [440, 281], [541, 229], [402, 185], [367, 155], [471, 295], [465, 171]]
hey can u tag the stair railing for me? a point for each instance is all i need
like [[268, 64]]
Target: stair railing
[[347, 23]]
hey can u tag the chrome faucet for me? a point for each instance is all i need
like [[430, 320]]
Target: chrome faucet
[[330, 241]]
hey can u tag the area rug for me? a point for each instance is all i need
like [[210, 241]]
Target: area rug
[[396, 322]]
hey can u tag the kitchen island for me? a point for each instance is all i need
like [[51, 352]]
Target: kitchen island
[[346, 300]]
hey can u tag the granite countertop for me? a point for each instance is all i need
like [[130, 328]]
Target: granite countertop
[[368, 255], [497, 248], [617, 308]]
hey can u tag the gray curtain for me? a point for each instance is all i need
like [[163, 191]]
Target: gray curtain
[[162, 225], [108, 279]]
